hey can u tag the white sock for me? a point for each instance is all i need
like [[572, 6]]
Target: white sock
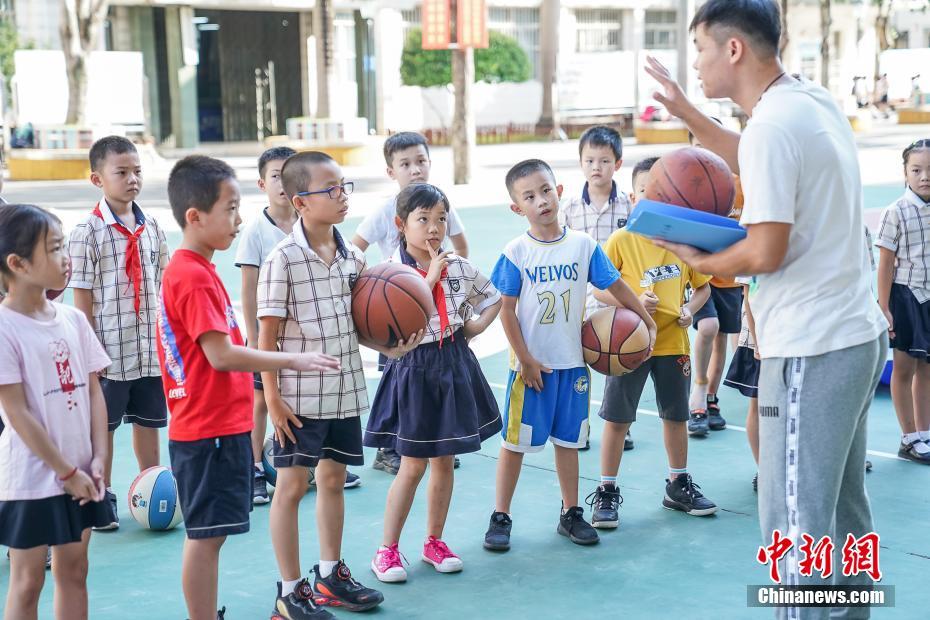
[[924, 435], [288, 586], [698, 398], [327, 567], [920, 446], [259, 466]]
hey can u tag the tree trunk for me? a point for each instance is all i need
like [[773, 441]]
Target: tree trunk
[[548, 52], [323, 28], [825, 43], [79, 30], [783, 42], [881, 32], [463, 120]]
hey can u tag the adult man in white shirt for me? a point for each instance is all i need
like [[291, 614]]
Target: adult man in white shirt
[[820, 333]]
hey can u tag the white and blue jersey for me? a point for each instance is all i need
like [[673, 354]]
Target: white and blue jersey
[[550, 279]]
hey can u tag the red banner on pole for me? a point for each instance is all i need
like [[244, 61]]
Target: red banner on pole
[[437, 17], [471, 24]]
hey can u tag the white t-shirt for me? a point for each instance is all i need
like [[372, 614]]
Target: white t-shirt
[[550, 280], [259, 237], [53, 360], [798, 165], [378, 227]]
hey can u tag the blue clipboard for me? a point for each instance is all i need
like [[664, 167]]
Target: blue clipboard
[[705, 231]]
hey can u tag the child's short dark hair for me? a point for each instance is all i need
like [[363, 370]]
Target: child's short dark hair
[[526, 168], [295, 174], [602, 135], [419, 196], [22, 228], [194, 183], [117, 145], [758, 20], [642, 166], [400, 142], [923, 143], [273, 154]]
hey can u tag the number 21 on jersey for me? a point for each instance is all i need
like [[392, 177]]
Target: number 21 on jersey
[[548, 301]]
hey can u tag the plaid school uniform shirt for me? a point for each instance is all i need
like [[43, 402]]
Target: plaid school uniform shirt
[[578, 213], [314, 299], [461, 292], [125, 317], [905, 230]]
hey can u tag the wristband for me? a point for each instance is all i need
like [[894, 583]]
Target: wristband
[[69, 476]]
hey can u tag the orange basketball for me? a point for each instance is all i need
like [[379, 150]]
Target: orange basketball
[[694, 178], [390, 302], [614, 341]]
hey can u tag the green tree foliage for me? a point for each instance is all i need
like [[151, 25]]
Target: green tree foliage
[[503, 61], [9, 43]]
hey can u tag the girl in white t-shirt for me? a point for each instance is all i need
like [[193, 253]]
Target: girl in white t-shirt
[[904, 297], [53, 447]]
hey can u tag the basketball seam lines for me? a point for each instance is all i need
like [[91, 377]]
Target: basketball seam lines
[[710, 181], [675, 187]]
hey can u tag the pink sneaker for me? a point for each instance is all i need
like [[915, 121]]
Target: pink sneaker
[[436, 552], [388, 566]]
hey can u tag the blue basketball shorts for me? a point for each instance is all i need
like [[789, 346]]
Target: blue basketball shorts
[[558, 413]]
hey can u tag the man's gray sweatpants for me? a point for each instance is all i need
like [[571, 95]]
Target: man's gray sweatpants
[[812, 445]]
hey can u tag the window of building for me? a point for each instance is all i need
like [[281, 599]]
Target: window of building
[[598, 30], [661, 30], [344, 46]]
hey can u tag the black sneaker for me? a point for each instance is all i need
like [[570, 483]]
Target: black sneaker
[[259, 487], [341, 590], [868, 466], [352, 481], [497, 538], [298, 604], [221, 613], [715, 421], [627, 442], [456, 463], [698, 425], [112, 513], [387, 461], [755, 483], [605, 504], [573, 525], [909, 451], [587, 441], [682, 494]]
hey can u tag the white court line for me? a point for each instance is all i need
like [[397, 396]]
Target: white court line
[[742, 429]]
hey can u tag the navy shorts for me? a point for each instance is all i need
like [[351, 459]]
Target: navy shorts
[[911, 323], [57, 520], [726, 305], [214, 484], [743, 374], [257, 384], [138, 401], [339, 440]]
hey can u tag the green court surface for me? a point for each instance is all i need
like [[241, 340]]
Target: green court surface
[[658, 564]]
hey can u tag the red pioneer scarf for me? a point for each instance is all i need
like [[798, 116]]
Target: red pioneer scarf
[[133, 255]]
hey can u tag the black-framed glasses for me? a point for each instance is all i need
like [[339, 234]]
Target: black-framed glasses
[[334, 192]]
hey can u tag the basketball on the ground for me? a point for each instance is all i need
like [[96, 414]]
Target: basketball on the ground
[[271, 472], [694, 178], [390, 302], [153, 499], [614, 341]]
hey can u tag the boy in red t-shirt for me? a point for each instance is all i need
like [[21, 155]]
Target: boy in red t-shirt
[[207, 377]]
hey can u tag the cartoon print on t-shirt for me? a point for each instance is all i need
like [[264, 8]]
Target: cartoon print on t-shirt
[[61, 354]]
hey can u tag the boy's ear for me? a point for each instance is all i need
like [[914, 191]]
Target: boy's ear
[[390, 173], [95, 179], [516, 209], [191, 215], [261, 183], [297, 202], [618, 164], [558, 191]]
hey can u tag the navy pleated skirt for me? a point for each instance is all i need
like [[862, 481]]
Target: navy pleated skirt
[[433, 402]]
